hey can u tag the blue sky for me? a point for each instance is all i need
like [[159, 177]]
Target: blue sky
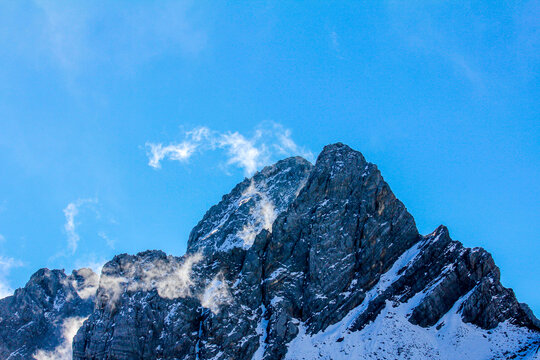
[[442, 96]]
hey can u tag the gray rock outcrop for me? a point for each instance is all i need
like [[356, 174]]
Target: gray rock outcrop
[[32, 319]]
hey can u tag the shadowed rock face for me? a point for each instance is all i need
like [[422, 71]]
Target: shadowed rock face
[[443, 273], [32, 318], [296, 250], [134, 314]]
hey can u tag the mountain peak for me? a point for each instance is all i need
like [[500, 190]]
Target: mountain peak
[[338, 146], [299, 261], [338, 151]]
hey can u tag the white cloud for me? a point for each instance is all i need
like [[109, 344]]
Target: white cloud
[[63, 351], [263, 215], [111, 288], [171, 277], [70, 226], [91, 261], [176, 282], [6, 264], [268, 141], [286, 145], [179, 152], [243, 152], [89, 285], [199, 134], [215, 294]]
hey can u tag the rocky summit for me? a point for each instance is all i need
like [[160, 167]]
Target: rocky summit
[[300, 261]]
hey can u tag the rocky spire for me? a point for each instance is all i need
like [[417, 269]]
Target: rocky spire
[[342, 232]]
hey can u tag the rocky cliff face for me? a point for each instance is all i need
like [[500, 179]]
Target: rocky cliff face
[[300, 262], [37, 317]]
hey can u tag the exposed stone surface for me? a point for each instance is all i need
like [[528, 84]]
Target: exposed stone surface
[[342, 232], [444, 272], [221, 308], [131, 319], [295, 251], [250, 207], [32, 318]]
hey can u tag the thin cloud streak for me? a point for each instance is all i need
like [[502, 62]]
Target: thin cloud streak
[[416, 24], [70, 226], [110, 242]]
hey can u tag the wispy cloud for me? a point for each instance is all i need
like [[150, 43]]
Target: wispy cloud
[[70, 326], [216, 294], [89, 284], [249, 153], [179, 152], [6, 264], [421, 29], [335, 44], [262, 214], [70, 212], [243, 152], [91, 261], [110, 242], [485, 47]]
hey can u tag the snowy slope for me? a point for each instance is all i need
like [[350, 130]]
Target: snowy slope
[[392, 336]]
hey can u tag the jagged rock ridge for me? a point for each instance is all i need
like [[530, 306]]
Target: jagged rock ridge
[[307, 262], [33, 317]]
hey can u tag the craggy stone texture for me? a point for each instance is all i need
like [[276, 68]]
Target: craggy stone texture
[[250, 207], [131, 320], [222, 308], [342, 232], [32, 317], [442, 273], [295, 248]]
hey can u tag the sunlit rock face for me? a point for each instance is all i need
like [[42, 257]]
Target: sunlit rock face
[[304, 261]]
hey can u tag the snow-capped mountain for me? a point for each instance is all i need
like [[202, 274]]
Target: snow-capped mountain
[[301, 261]]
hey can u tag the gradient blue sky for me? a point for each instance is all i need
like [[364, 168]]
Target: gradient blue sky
[[442, 96]]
